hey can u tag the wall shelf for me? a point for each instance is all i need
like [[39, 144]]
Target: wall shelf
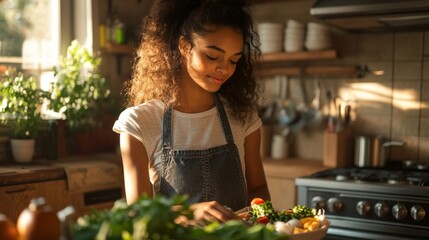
[[298, 56], [337, 71], [121, 49]]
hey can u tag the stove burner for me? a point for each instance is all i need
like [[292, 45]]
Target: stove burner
[[391, 177]]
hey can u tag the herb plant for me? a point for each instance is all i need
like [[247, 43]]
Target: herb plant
[[20, 104], [80, 90]]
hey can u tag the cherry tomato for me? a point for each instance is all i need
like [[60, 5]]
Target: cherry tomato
[[263, 220], [244, 215], [256, 201]]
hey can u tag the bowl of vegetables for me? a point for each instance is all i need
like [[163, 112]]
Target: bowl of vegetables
[[300, 222]]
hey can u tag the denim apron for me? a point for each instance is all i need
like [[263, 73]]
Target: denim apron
[[213, 174]]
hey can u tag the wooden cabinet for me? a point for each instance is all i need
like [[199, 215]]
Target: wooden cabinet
[[15, 198]]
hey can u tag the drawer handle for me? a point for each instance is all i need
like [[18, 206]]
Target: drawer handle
[[21, 189]]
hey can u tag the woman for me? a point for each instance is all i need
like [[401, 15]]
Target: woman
[[192, 126]]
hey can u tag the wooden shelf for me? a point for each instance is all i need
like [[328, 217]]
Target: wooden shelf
[[298, 56], [122, 49], [345, 71], [297, 69]]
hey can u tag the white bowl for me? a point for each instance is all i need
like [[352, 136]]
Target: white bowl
[[317, 234], [270, 26], [293, 47], [270, 48], [291, 23], [318, 26], [292, 31]]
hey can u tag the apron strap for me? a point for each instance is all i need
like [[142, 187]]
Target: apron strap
[[166, 129], [224, 120]]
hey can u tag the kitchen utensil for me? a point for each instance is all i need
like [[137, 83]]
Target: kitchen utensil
[[287, 113], [339, 122], [371, 152], [379, 145], [330, 117], [316, 115], [302, 110], [347, 115], [362, 151]]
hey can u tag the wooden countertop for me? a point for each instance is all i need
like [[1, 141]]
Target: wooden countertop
[[291, 168], [44, 170], [35, 172]]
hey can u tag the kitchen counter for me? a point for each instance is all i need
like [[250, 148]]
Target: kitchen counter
[[45, 170], [84, 182], [291, 168]]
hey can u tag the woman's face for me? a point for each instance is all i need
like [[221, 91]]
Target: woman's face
[[213, 59]]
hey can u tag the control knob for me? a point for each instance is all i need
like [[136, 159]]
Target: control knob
[[399, 211], [363, 207], [381, 209], [334, 204], [417, 212], [318, 202]]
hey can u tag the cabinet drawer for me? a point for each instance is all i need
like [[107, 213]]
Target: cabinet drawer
[[15, 198]]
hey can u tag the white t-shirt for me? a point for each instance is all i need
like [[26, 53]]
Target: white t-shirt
[[190, 131]]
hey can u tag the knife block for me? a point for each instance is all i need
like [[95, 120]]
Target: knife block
[[337, 148]]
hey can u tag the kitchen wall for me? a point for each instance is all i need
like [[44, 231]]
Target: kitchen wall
[[395, 105]]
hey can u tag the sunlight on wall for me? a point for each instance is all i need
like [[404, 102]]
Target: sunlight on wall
[[404, 99]]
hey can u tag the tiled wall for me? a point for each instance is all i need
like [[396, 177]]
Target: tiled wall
[[395, 105]]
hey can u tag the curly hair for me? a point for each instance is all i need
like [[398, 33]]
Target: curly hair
[[158, 62]]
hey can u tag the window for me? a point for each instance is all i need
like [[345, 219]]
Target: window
[[29, 33]]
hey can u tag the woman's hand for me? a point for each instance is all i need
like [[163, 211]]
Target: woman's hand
[[206, 212]]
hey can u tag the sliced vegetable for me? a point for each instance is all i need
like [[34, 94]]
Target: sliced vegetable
[[257, 201], [263, 220]]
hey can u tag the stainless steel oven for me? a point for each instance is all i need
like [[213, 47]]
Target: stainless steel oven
[[370, 203]]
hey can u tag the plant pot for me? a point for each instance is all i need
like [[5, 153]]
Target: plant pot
[[22, 150]]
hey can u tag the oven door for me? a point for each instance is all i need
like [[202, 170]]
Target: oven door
[[335, 233]]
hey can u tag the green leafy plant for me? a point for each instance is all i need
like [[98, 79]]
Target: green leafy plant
[[80, 90], [20, 104]]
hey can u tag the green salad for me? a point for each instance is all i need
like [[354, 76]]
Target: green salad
[[153, 218], [263, 212]]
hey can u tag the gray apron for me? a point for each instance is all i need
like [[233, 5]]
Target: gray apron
[[213, 174]]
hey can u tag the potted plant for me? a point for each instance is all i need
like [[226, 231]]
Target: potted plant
[[20, 104], [78, 93]]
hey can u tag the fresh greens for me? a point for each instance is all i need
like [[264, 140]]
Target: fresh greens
[[153, 218], [266, 209]]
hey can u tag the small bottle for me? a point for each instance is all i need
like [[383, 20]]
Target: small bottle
[[119, 31]]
